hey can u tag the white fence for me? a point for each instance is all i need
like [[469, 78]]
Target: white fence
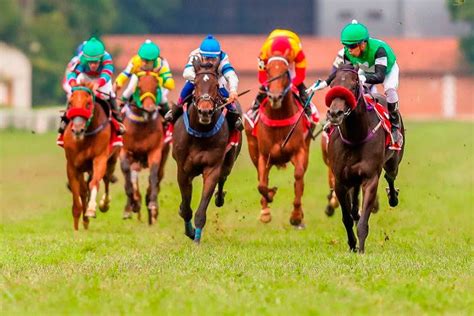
[[38, 121]]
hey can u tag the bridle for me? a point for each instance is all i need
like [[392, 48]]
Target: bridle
[[285, 73]]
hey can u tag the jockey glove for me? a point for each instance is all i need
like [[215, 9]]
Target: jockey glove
[[304, 98]]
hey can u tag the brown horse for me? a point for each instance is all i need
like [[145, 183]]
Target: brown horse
[[143, 146], [277, 116], [357, 153], [86, 145], [200, 146]]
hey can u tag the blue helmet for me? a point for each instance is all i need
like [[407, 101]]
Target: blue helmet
[[210, 47]]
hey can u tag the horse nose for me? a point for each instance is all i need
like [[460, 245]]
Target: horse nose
[[333, 115]]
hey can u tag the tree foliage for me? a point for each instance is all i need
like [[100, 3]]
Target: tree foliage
[[463, 10]]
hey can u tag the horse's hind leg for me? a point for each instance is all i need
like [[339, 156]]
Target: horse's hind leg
[[125, 165], [333, 203], [300, 161], [267, 194], [355, 203], [154, 159], [104, 203], [84, 199], [343, 197], [369, 188], [391, 171], [99, 166], [185, 211], [220, 194]]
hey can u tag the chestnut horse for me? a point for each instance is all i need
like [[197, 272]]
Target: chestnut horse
[[143, 145], [200, 146], [86, 145], [357, 153], [277, 115]]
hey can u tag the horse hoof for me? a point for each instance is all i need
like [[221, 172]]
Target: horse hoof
[[329, 210], [189, 230], [85, 224], [197, 242], [220, 199], [296, 222], [90, 214], [127, 215], [300, 226], [104, 205], [393, 201], [265, 216]]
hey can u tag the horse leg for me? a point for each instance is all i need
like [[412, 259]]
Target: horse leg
[[104, 203], [355, 203], [136, 196], [161, 170], [210, 178], [220, 194], [84, 196], [126, 170], [154, 159], [333, 203], [342, 196], [74, 184], [369, 188], [391, 172], [186, 188], [267, 194], [300, 162], [99, 165]]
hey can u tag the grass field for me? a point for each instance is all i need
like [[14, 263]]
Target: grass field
[[419, 256]]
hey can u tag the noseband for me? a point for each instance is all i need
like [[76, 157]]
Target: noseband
[[286, 73]]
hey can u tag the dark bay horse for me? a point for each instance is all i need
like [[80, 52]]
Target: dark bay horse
[[357, 153], [87, 149], [277, 115], [200, 147], [143, 145]]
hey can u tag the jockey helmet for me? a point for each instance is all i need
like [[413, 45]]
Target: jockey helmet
[[93, 50], [149, 50], [281, 44], [210, 47], [354, 33]]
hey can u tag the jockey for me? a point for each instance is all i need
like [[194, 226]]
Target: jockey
[[95, 65], [377, 64], [149, 59], [70, 67], [210, 52], [287, 43]]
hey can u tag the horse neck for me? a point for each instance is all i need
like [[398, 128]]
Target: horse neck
[[194, 120], [355, 126], [99, 116], [288, 108]]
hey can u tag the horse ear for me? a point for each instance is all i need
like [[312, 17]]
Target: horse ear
[[196, 63]]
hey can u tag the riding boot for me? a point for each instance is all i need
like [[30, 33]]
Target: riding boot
[[234, 120], [174, 113], [164, 108], [395, 122], [307, 109], [116, 115]]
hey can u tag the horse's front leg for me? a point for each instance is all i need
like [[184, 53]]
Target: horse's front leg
[[154, 159], [267, 194], [74, 183], [369, 187], [99, 166], [300, 162], [186, 188], [104, 203], [344, 201], [210, 179]]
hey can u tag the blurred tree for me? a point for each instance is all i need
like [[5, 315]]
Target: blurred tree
[[462, 10]]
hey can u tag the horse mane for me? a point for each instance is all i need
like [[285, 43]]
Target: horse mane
[[348, 66]]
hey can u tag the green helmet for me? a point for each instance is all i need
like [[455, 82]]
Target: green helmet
[[354, 33], [149, 50], [93, 50]]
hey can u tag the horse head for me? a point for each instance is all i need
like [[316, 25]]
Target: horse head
[[145, 95], [80, 109], [279, 83], [344, 94], [206, 91]]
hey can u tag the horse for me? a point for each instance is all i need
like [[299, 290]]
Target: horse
[[143, 145], [87, 150], [357, 153], [278, 112], [333, 203], [200, 146]]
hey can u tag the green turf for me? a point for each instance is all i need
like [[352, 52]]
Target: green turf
[[418, 260]]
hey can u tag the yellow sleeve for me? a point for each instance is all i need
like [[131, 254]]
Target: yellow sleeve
[[128, 71], [166, 76]]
